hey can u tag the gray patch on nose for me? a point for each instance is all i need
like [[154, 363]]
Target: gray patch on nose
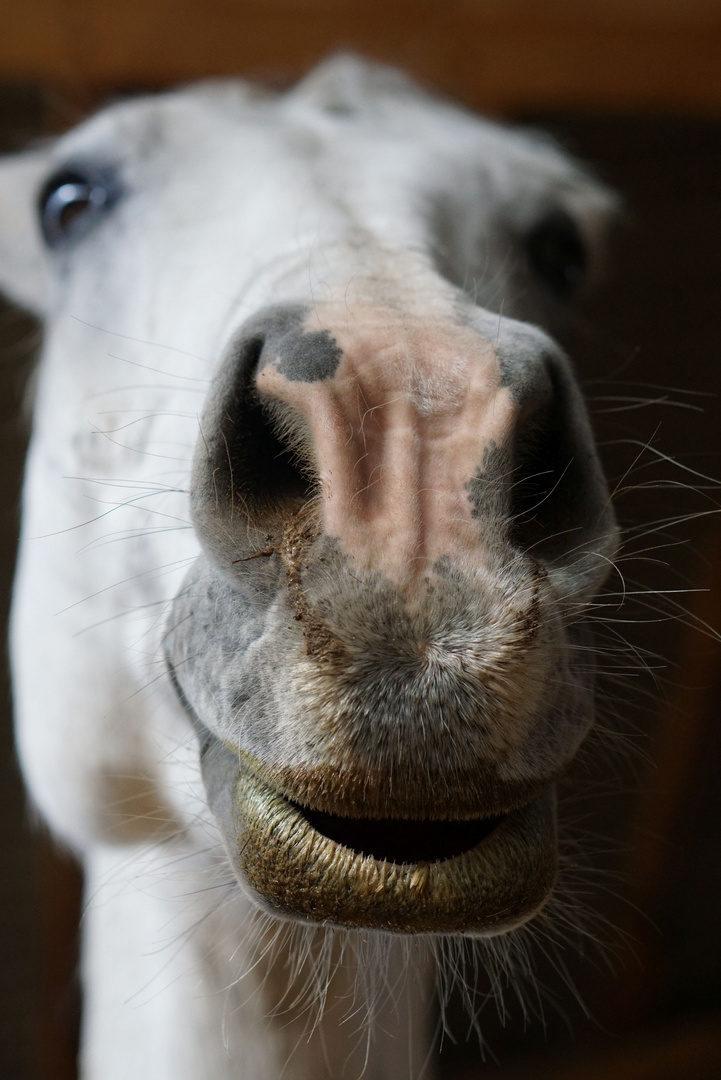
[[487, 489], [522, 351], [299, 354]]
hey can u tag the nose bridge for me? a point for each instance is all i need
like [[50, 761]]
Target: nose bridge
[[399, 411]]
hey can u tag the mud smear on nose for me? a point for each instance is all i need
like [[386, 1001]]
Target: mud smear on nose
[[300, 531]]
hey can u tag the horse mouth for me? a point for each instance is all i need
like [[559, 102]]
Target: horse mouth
[[402, 841], [478, 876]]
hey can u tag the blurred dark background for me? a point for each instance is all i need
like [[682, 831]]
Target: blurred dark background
[[634, 88]]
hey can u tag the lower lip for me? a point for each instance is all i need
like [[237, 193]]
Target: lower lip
[[298, 872]]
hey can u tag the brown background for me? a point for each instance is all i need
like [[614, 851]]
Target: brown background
[[633, 86]]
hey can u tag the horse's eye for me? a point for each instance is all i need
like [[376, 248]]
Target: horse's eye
[[70, 201], [557, 254]]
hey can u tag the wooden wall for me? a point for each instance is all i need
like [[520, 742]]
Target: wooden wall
[[516, 57], [503, 55]]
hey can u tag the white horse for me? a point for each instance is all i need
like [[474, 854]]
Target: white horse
[[311, 524]]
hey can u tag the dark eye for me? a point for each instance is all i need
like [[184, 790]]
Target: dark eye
[[70, 201], [557, 254]]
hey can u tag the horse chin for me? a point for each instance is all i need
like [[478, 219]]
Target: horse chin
[[479, 876]]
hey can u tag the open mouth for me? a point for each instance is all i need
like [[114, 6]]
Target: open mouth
[[479, 876], [396, 840]]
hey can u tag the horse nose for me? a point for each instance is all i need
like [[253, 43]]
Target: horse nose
[[419, 439], [395, 417]]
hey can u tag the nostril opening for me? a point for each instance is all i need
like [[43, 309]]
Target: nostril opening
[[251, 461], [555, 493], [273, 471], [539, 493]]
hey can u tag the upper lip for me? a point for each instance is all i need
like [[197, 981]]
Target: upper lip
[[358, 789]]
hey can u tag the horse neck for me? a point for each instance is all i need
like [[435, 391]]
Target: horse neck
[[189, 981]]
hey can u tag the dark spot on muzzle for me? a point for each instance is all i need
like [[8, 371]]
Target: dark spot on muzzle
[[299, 354]]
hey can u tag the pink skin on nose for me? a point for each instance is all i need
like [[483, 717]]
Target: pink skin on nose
[[398, 431]]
